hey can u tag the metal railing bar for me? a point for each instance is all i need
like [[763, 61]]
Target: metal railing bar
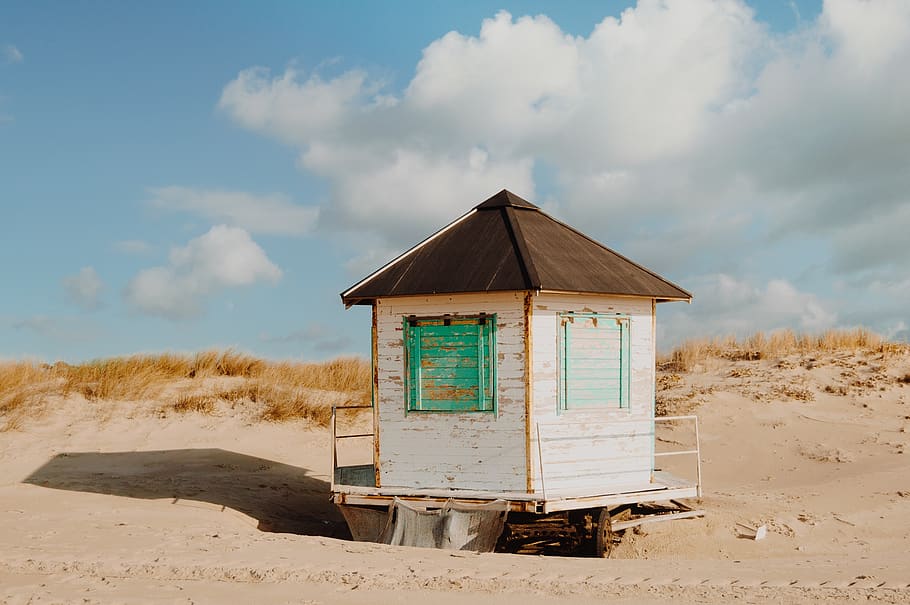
[[543, 485], [696, 452], [697, 460], [357, 435], [620, 420], [334, 452]]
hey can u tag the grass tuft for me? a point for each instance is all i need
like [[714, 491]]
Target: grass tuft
[[202, 404], [280, 407], [345, 374], [23, 388], [225, 363]]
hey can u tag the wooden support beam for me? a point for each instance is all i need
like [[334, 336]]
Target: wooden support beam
[[688, 514]]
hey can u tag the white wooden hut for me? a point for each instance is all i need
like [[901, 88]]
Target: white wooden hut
[[513, 359]]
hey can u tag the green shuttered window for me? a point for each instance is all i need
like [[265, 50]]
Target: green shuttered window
[[450, 364], [594, 361]]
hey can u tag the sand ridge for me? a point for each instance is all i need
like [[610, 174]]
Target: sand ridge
[[115, 502]]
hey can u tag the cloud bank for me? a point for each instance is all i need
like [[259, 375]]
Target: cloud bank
[[11, 54], [224, 257], [685, 133], [268, 214], [84, 289]]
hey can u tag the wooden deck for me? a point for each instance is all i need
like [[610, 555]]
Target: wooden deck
[[354, 487]]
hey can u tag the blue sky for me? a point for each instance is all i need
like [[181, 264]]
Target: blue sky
[[180, 176]]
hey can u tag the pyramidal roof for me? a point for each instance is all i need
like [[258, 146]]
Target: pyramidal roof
[[507, 243]]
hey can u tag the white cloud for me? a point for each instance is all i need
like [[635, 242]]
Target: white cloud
[[876, 239], [84, 289], [59, 329], [11, 54], [40, 324], [480, 110], [684, 131], [319, 337], [224, 257], [879, 302], [133, 246], [869, 34], [405, 188], [268, 214], [514, 76], [725, 305], [292, 110]]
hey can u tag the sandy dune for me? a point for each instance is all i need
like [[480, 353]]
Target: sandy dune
[[105, 503]]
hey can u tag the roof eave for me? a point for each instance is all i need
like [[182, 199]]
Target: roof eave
[[656, 297], [663, 299], [366, 300], [356, 300]]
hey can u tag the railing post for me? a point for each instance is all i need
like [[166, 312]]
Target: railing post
[[697, 460], [333, 429], [543, 484], [696, 452], [334, 453]]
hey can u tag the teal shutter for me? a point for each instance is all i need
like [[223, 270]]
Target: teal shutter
[[594, 364], [450, 364]]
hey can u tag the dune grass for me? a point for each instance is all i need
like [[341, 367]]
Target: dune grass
[[285, 390], [143, 376], [282, 390], [776, 345]]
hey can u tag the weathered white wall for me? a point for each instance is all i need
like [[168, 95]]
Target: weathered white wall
[[591, 449], [477, 450], [584, 451]]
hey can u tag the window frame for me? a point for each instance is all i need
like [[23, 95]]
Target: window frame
[[564, 376], [487, 401]]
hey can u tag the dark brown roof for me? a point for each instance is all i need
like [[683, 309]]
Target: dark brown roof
[[507, 243]]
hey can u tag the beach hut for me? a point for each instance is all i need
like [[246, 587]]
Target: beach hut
[[513, 366]]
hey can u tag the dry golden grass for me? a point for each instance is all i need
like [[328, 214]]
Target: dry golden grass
[[226, 363], [23, 388], [136, 377], [280, 405], [143, 376], [776, 345], [343, 374], [203, 404], [276, 402], [284, 390], [16, 376]]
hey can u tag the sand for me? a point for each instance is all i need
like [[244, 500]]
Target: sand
[[119, 502]]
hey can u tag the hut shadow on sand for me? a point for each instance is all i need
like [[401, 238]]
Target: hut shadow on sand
[[280, 497]]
